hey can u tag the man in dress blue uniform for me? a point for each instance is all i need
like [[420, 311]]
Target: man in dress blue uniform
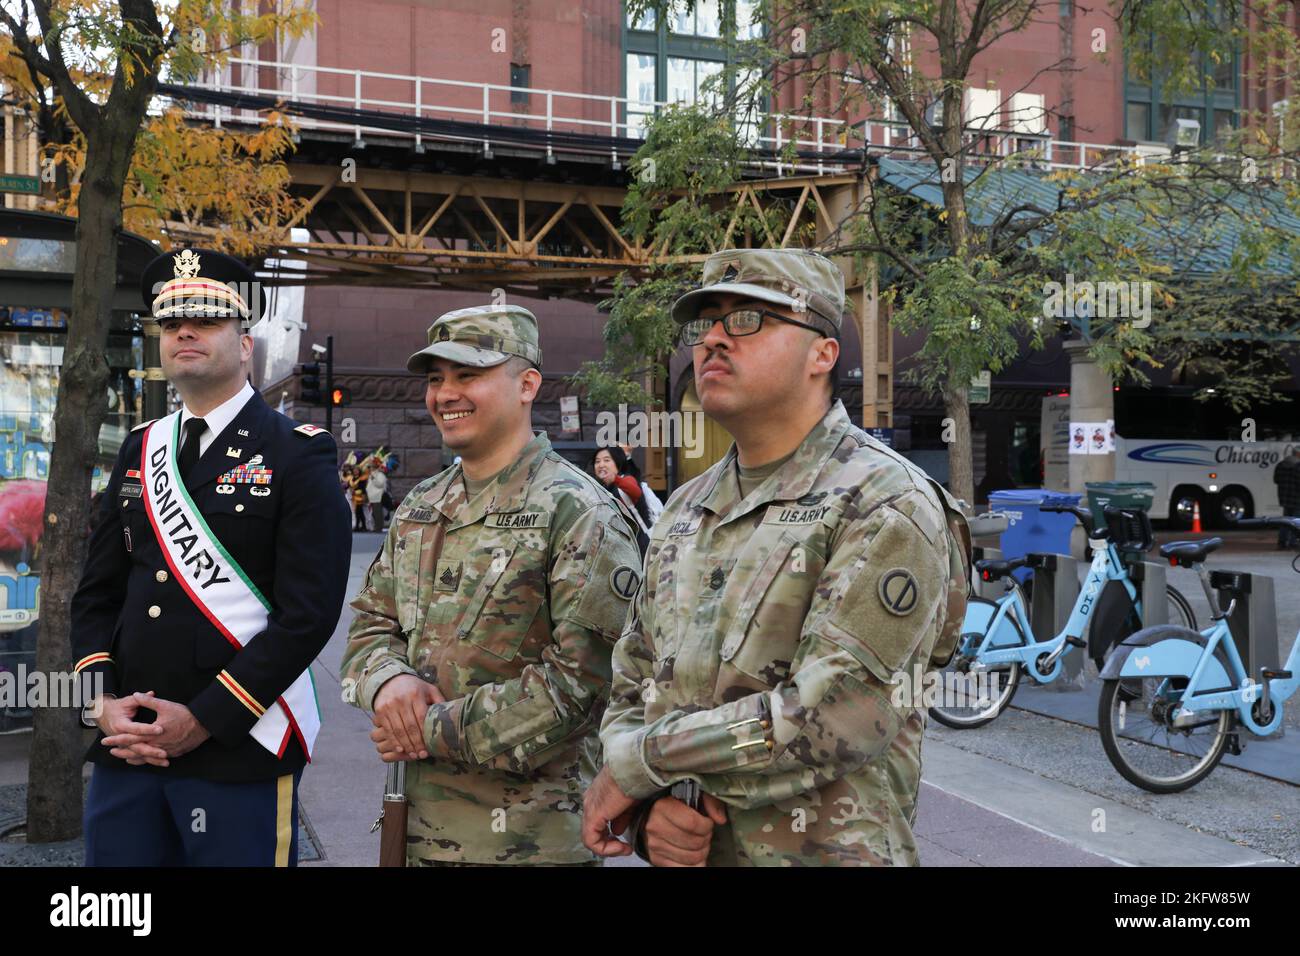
[[215, 575]]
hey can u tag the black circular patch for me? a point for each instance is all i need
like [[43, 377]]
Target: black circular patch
[[898, 591], [624, 580]]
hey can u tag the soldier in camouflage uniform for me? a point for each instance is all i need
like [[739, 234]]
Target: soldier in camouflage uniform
[[482, 638], [786, 591]]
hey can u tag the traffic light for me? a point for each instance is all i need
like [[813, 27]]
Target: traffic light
[[340, 396], [309, 390]]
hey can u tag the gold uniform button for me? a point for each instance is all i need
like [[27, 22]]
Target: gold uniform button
[[154, 610], [239, 507], [160, 577]]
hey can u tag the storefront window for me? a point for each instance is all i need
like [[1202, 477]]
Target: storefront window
[[32, 342]]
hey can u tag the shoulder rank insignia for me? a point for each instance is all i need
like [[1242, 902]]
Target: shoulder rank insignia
[[311, 431], [144, 424]]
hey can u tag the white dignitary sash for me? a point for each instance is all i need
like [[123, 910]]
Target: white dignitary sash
[[218, 587]]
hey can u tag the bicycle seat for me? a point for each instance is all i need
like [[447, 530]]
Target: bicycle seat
[[991, 570], [1187, 553]]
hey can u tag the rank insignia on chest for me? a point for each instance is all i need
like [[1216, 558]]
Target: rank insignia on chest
[[447, 577]]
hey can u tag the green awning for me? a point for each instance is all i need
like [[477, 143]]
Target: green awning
[[1199, 245]]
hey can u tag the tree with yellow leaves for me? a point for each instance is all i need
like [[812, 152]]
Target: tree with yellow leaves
[[87, 72]]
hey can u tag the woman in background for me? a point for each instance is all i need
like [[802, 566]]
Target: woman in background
[[653, 506], [610, 466]]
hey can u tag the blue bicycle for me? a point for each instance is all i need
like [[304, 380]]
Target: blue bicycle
[[997, 646], [1173, 698]]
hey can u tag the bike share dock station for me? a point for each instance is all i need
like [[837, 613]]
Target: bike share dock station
[[1054, 578]]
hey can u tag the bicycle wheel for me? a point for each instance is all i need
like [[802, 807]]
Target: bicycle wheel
[[1179, 614], [1142, 743], [1180, 610], [968, 700]]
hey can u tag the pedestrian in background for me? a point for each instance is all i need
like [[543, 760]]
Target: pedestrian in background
[[376, 491], [358, 484], [610, 466], [653, 506]]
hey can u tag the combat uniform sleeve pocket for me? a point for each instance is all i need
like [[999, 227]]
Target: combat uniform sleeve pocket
[[604, 592], [884, 609], [511, 726], [406, 580]]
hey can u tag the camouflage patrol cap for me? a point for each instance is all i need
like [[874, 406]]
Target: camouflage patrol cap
[[794, 278], [482, 335]]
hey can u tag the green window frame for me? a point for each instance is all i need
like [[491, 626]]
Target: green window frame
[[1147, 115], [651, 45]]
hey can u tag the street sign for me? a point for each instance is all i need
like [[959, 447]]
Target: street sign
[[20, 184], [980, 387]]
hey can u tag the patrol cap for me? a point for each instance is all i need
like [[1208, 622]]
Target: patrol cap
[[794, 278], [482, 335], [186, 283]]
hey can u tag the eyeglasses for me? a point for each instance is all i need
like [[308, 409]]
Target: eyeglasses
[[736, 323]]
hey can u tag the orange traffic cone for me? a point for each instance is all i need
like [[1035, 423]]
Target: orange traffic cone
[[1196, 518]]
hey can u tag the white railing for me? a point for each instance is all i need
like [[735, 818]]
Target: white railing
[[489, 104], [492, 104]]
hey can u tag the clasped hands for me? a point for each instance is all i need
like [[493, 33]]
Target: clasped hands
[[674, 834], [173, 733], [400, 709]]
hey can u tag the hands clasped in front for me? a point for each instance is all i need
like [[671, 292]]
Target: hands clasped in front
[[173, 733], [675, 835], [400, 709]]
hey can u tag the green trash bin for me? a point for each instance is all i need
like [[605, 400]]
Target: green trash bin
[[1118, 494]]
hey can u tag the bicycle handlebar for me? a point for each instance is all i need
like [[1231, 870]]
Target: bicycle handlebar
[[1084, 516]]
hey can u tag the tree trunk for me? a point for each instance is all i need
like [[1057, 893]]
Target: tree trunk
[[54, 775], [961, 480]]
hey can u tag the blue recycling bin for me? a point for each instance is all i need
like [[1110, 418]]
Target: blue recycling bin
[[1030, 530]]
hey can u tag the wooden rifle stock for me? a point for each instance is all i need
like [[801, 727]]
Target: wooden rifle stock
[[392, 819]]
